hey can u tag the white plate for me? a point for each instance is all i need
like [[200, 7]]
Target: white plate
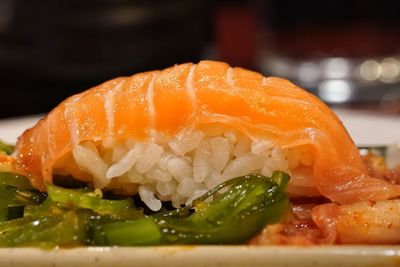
[[10, 129], [204, 256], [370, 129]]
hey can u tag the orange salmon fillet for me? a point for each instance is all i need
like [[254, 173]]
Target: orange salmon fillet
[[191, 94]]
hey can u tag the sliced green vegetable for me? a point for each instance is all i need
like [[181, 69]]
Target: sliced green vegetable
[[13, 200], [16, 180], [15, 193], [12, 212], [6, 148], [85, 199], [141, 232], [69, 228], [12, 196], [231, 217], [231, 213], [47, 208]]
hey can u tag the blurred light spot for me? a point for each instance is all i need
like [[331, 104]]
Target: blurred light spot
[[308, 72], [370, 70], [391, 252], [390, 70], [335, 91], [335, 68]]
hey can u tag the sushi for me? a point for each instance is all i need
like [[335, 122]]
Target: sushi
[[174, 134]]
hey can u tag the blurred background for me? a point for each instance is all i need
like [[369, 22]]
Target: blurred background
[[347, 52]]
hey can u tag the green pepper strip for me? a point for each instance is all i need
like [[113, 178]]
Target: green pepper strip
[[13, 200], [84, 199], [141, 232], [64, 218], [232, 217], [12, 196], [15, 193], [69, 228], [6, 148], [16, 180], [70, 217]]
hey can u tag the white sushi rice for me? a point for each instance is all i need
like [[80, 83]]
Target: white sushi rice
[[181, 168]]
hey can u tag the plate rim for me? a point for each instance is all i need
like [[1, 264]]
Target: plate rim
[[210, 256]]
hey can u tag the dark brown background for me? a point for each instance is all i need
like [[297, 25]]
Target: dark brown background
[[52, 49]]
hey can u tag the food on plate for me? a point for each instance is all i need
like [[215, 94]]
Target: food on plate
[[205, 149], [319, 221], [81, 216]]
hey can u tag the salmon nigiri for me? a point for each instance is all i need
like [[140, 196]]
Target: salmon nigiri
[[176, 133]]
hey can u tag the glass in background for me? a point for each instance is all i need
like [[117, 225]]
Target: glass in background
[[343, 51]]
